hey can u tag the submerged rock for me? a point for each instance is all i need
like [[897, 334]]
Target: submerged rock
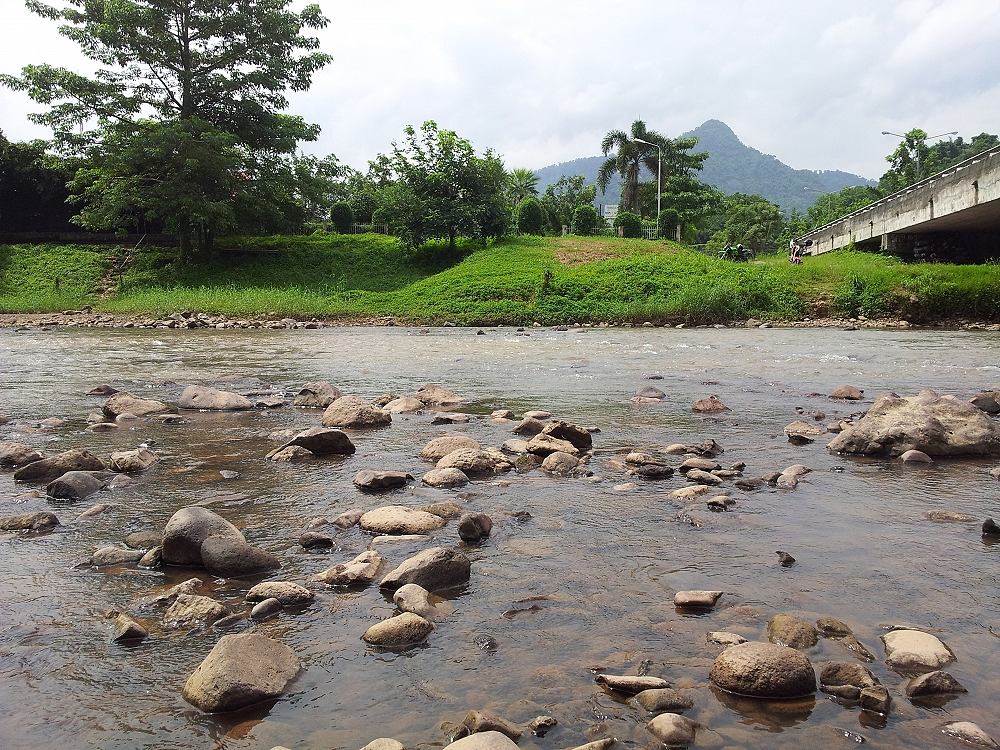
[[966, 731], [111, 556], [125, 630], [663, 699], [481, 721], [935, 425], [380, 481], [212, 399], [291, 454], [436, 395], [710, 405], [241, 670], [404, 405], [915, 457], [192, 609], [132, 462], [764, 670], [848, 393], [933, 683], [630, 684]]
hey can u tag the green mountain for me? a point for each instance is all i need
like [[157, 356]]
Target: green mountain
[[731, 167]]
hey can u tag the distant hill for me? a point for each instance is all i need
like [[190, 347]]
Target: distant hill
[[731, 167]]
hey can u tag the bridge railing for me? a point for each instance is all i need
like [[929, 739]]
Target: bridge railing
[[908, 189]]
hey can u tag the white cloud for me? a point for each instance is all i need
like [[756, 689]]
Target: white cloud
[[541, 82]]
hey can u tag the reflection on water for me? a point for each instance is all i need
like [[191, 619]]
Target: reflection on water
[[605, 563]]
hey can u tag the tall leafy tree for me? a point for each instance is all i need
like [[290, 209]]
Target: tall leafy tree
[[751, 220], [910, 162], [563, 197], [437, 187], [198, 81], [523, 184], [33, 188], [629, 153]]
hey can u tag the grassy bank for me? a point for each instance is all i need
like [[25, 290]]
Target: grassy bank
[[549, 280]]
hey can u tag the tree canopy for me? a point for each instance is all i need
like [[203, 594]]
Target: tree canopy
[[200, 84], [437, 187]]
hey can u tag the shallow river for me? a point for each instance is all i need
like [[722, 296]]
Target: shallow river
[[607, 563]]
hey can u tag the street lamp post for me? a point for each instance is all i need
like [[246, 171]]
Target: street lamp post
[[916, 150], [659, 174]]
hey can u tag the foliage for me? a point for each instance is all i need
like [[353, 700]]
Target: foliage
[[193, 74], [628, 224], [606, 279], [438, 188], [32, 188], [750, 220], [638, 149], [529, 216], [687, 203], [585, 220], [342, 217], [523, 184], [562, 198]]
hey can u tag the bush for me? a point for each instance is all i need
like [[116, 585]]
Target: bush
[[629, 223], [584, 219], [342, 217], [529, 216], [666, 223]]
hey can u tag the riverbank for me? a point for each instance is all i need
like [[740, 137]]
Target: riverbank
[[371, 280]]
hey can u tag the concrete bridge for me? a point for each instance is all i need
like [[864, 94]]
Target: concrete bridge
[[954, 215]]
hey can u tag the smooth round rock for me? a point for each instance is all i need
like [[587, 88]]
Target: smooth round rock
[[402, 630], [764, 670], [398, 519]]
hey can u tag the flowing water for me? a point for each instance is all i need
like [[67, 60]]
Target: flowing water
[[606, 563]]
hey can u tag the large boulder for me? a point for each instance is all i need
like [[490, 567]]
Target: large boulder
[[323, 441], [132, 462], [289, 594], [317, 395], [360, 571], [351, 411], [188, 528], [936, 425], [543, 444], [475, 463], [16, 455], [436, 395], [73, 485], [40, 521], [227, 557], [579, 436], [915, 652], [445, 478], [188, 610], [401, 630], [47, 469], [380, 481], [202, 397], [764, 670], [442, 445], [239, 671], [404, 405], [125, 403], [484, 741], [434, 568], [398, 519]]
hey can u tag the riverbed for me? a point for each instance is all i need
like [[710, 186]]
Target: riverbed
[[600, 565]]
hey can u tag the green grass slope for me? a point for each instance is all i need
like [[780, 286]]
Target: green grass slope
[[520, 280]]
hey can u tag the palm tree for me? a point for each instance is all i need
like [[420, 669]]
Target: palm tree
[[523, 184], [629, 158]]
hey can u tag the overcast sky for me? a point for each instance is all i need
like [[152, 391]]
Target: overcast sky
[[813, 83]]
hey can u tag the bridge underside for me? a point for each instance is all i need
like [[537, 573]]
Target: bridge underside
[[968, 236]]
